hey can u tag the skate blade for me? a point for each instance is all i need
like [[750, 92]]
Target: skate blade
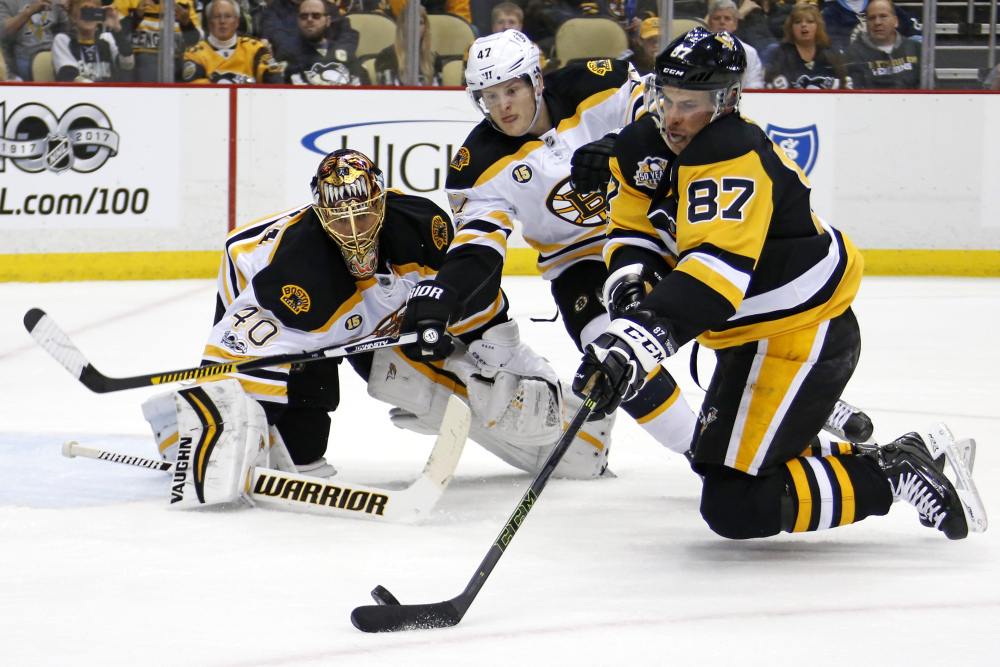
[[940, 441]]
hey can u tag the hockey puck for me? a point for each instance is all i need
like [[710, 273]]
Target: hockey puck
[[383, 596], [67, 449]]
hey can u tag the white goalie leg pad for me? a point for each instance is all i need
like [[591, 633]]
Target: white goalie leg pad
[[513, 391], [419, 401], [279, 458], [586, 458], [223, 434], [161, 413]]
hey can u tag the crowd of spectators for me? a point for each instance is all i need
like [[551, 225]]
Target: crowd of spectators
[[830, 44]]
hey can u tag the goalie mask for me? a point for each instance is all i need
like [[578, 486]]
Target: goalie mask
[[502, 58], [349, 200], [698, 60]]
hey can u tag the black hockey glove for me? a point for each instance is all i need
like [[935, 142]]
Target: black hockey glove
[[621, 358], [626, 287], [590, 168], [429, 307]]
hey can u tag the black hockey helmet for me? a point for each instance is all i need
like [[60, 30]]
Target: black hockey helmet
[[701, 60], [698, 60]]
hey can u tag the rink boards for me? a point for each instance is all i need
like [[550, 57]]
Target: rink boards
[[97, 185]]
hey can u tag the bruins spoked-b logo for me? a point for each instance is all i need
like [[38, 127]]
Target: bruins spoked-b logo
[[586, 210], [35, 139]]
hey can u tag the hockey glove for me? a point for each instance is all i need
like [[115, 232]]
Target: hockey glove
[[590, 168], [429, 307], [627, 286], [621, 358]]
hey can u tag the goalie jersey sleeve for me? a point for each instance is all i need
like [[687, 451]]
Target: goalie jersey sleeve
[[751, 258], [285, 288], [498, 183]]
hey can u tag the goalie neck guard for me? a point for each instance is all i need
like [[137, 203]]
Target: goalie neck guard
[[699, 60], [500, 58], [349, 200]]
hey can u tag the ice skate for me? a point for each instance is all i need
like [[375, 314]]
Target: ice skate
[[912, 464], [849, 423], [960, 457]]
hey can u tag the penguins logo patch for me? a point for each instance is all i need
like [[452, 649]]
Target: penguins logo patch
[[296, 298], [649, 172], [439, 232], [461, 159]]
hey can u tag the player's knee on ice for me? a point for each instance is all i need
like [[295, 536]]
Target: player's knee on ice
[[739, 506]]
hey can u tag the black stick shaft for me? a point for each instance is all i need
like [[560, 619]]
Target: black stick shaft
[[391, 618], [54, 341]]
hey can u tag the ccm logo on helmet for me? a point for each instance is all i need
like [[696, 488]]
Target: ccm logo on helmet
[[426, 291], [670, 71]]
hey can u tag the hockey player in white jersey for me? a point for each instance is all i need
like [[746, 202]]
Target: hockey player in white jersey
[[514, 168], [338, 270]]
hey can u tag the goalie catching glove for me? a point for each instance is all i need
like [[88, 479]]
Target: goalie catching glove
[[430, 305], [590, 166], [621, 358]]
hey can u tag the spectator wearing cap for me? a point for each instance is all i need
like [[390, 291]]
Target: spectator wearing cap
[[722, 17], [644, 48]]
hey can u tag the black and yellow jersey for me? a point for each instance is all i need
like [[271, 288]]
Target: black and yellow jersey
[[750, 258], [640, 160], [497, 182], [146, 28], [284, 286], [247, 61]]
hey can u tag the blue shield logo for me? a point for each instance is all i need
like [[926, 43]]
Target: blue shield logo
[[800, 144]]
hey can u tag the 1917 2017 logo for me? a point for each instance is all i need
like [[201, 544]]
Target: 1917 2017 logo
[[35, 139]]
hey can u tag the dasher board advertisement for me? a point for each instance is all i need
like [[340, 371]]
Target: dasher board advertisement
[[411, 135], [79, 158]]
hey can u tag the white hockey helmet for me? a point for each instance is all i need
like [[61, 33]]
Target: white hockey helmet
[[501, 57]]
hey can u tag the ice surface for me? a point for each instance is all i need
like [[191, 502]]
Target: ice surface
[[94, 570]]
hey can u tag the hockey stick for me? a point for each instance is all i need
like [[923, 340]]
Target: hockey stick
[[390, 616], [301, 493], [55, 341]]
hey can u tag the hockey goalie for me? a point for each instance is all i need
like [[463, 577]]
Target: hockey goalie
[[337, 271]]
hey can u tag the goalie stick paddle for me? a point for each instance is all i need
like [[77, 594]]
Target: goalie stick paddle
[[390, 616], [54, 340], [300, 493]]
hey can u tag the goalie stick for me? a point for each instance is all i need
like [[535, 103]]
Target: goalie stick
[[313, 495], [55, 341], [390, 616]]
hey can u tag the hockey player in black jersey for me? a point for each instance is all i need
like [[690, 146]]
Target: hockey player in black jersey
[[514, 171], [726, 249], [337, 271]]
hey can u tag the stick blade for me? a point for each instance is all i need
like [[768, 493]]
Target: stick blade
[[394, 618], [53, 340]]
